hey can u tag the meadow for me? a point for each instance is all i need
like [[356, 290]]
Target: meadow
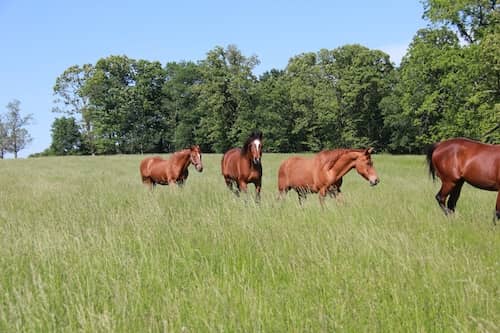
[[84, 246]]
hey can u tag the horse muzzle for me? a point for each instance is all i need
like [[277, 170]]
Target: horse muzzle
[[374, 182], [256, 161], [198, 167]]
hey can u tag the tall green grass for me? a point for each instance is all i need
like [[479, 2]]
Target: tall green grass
[[84, 246]]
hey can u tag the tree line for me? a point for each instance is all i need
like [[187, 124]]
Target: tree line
[[447, 85]]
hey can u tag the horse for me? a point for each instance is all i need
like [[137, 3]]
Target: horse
[[241, 166], [323, 172], [156, 170], [460, 160]]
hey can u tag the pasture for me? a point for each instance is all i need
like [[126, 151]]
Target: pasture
[[86, 247]]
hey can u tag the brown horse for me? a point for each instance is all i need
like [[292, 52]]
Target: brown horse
[[324, 171], [241, 166], [156, 170], [460, 160]]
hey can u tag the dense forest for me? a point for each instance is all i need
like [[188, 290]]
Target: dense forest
[[447, 85]]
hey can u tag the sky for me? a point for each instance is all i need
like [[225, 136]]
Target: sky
[[41, 39]]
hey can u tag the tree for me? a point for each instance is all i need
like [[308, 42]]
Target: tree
[[449, 81], [226, 98], [304, 77], [275, 113], [125, 98], [73, 101], [180, 102], [477, 22], [335, 97], [4, 139], [145, 127], [17, 135], [66, 137], [472, 18], [359, 78]]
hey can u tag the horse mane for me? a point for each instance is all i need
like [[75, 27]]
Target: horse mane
[[184, 150], [180, 153], [338, 153], [251, 138]]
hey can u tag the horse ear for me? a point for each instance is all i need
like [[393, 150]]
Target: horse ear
[[369, 151], [260, 135]]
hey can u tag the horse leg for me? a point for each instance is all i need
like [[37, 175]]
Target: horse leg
[[302, 195], [230, 184], [339, 197], [180, 182], [258, 186], [454, 195], [242, 186], [446, 188], [334, 189], [322, 194], [148, 182], [237, 189], [497, 215]]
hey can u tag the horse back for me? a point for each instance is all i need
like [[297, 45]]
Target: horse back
[[475, 162], [296, 172], [147, 163]]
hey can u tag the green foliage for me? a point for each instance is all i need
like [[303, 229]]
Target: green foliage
[[275, 112], [4, 139], [15, 136], [225, 98], [335, 97], [473, 19], [72, 100], [125, 96], [447, 88], [66, 137], [180, 103]]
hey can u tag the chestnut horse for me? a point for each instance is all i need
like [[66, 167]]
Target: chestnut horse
[[156, 170], [324, 171], [460, 160], [241, 166]]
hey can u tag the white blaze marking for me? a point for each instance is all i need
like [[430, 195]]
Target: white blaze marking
[[257, 144]]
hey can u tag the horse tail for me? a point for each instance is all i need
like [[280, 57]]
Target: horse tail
[[432, 168], [222, 163]]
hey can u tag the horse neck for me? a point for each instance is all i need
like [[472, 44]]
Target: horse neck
[[345, 162], [247, 157], [182, 157]]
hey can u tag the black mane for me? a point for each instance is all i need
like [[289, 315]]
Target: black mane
[[251, 138]]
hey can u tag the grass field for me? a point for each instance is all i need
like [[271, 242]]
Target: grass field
[[85, 247]]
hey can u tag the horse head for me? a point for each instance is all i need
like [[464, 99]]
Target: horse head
[[364, 166], [195, 157], [253, 147]]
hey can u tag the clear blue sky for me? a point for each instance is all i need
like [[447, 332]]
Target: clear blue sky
[[40, 39]]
